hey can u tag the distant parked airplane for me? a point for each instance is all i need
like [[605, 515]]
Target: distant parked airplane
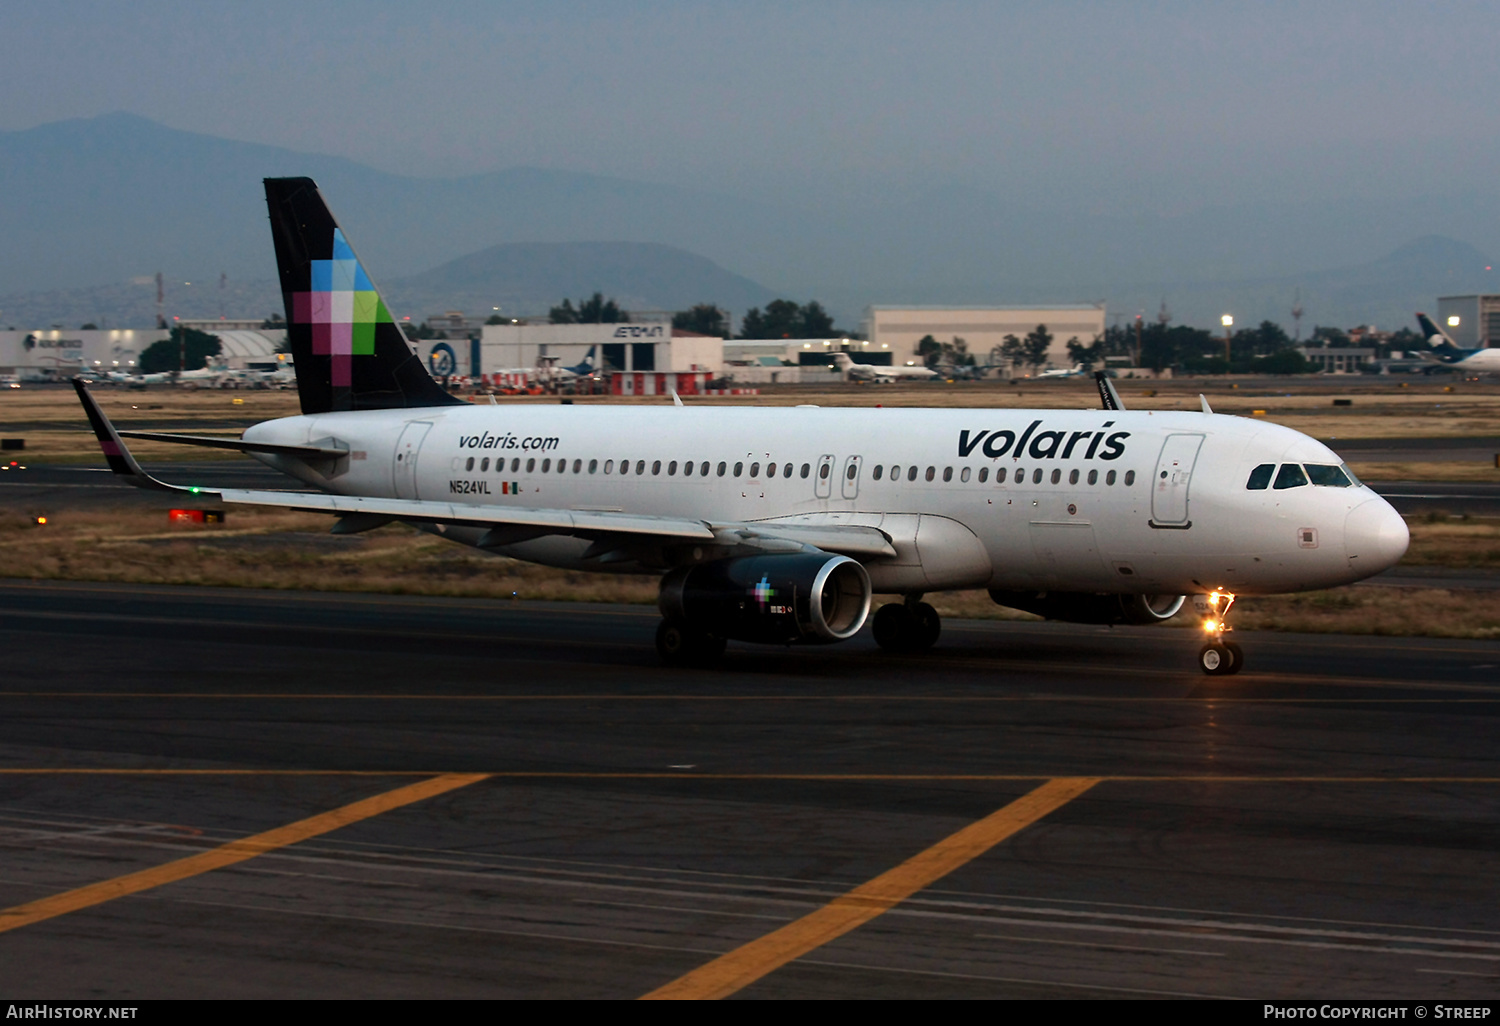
[[1443, 346], [869, 372]]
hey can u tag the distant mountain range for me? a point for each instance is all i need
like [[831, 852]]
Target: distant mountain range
[[92, 205], [522, 278]]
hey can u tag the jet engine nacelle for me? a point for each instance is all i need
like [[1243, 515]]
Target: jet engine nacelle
[[1077, 607], [800, 597]]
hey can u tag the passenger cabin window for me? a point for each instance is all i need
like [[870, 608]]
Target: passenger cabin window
[[484, 464], [1290, 476], [984, 474], [1036, 476], [1073, 477], [1093, 477], [931, 473], [738, 468], [593, 466], [755, 470], [1109, 478], [1129, 478], [806, 469], [786, 471], [964, 474], [877, 472], [895, 472], [947, 473], [722, 468], [546, 466], [823, 472], [1327, 475], [672, 469], [770, 470], [1260, 477], [687, 468], [515, 464], [1056, 476], [469, 465], [656, 468], [703, 469], [578, 466], [1000, 475], [609, 466], [640, 466], [852, 472]]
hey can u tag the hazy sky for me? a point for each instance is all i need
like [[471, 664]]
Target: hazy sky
[[1157, 107]]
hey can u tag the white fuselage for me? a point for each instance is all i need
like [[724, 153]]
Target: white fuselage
[[1098, 501], [1487, 360]]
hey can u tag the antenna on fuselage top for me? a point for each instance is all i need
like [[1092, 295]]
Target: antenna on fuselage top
[[1204, 400], [1107, 394]]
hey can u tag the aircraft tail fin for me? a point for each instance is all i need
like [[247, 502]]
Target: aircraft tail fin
[[1437, 338], [348, 351]]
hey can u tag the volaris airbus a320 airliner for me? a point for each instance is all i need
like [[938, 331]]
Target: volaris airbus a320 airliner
[[779, 525]]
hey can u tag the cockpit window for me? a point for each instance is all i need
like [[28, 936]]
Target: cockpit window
[[1260, 477], [1290, 476], [1326, 475], [1350, 475]]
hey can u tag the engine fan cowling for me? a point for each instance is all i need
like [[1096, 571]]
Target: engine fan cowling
[[1078, 607], [800, 597]]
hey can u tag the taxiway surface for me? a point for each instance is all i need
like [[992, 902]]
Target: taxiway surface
[[1325, 824]]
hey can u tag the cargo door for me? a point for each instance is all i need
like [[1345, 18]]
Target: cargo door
[[407, 448], [1170, 484]]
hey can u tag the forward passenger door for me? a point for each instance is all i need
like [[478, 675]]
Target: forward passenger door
[[1174, 473]]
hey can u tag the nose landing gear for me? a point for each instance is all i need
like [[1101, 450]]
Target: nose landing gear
[[1219, 657]]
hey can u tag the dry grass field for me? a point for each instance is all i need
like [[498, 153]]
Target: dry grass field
[[268, 549], [274, 549]]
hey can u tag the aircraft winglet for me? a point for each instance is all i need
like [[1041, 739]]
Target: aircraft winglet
[[1107, 394], [115, 451]]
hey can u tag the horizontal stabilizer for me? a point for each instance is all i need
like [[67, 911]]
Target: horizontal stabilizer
[[303, 452]]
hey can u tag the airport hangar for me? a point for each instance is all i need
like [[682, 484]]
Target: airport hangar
[[646, 346], [891, 337], [56, 354], [898, 329], [1473, 322]]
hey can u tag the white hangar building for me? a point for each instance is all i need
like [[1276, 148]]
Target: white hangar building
[[500, 348]]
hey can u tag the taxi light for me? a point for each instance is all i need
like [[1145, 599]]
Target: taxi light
[[39, 521]]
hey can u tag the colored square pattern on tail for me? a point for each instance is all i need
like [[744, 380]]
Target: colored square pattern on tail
[[343, 309]]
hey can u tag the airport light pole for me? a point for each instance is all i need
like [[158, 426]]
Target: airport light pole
[[1228, 323]]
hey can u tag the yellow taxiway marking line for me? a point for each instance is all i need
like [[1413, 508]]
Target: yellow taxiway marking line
[[231, 853], [897, 778], [744, 965]]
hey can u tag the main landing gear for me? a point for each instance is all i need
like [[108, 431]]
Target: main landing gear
[[679, 643], [910, 626], [1219, 657]]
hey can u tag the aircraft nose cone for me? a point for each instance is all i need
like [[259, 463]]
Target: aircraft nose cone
[[1375, 537]]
